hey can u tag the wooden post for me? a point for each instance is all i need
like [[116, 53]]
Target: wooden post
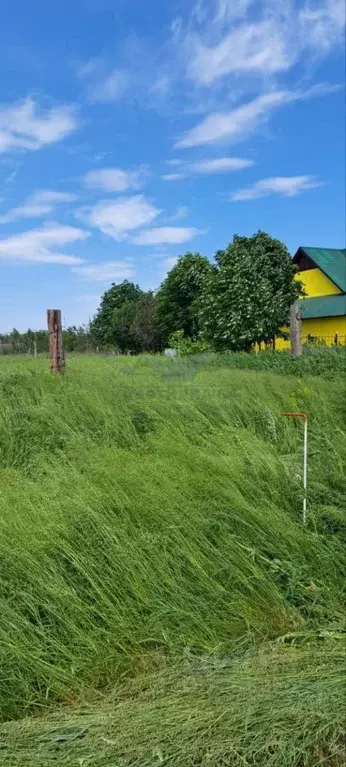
[[296, 329], [56, 349]]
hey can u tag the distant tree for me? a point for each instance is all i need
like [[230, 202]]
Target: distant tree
[[136, 326], [103, 326], [77, 339], [179, 294], [127, 319], [247, 298], [145, 327], [122, 333]]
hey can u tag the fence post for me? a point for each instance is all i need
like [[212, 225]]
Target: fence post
[[296, 329], [56, 348]]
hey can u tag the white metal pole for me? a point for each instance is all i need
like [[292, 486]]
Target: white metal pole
[[305, 468]]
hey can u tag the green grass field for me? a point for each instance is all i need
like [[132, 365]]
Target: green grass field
[[160, 601]]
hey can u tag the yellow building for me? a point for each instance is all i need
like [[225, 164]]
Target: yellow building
[[323, 274]]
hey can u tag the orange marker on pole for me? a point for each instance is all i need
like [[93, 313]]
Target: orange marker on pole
[[305, 461]]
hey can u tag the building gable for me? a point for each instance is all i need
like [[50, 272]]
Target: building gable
[[331, 261]]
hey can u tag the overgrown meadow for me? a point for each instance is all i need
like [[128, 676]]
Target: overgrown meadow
[[161, 601]]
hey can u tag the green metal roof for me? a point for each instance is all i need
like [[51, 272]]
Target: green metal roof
[[323, 306], [331, 261]]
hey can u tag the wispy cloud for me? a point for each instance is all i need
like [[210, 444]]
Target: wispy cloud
[[240, 122], [170, 262], [287, 186], [24, 125], [40, 245], [181, 212], [173, 162], [111, 88], [173, 176], [117, 218], [224, 39], [246, 48], [103, 84], [40, 203], [221, 165], [210, 166], [106, 271], [116, 179], [166, 235]]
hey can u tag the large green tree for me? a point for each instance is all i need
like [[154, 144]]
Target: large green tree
[[179, 294], [136, 327], [103, 326], [127, 319], [247, 298], [145, 328]]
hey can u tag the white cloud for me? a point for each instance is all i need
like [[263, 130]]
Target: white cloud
[[173, 162], [39, 203], [172, 235], [88, 69], [244, 120], [25, 126], [287, 186], [322, 25], [118, 217], [238, 122], [115, 179], [173, 176], [40, 245], [210, 166], [161, 85], [225, 38], [170, 262], [106, 271], [248, 47], [221, 165], [181, 212], [109, 89]]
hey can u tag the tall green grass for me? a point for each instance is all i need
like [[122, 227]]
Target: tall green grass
[[150, 535]]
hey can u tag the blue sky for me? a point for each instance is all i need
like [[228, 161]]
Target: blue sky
[[131, 132]]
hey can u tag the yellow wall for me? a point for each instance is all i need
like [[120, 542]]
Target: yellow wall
[[317, 284], [321, 328], [325, 327]]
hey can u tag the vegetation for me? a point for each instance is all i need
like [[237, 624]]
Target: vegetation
[[75, 340], [247, 298], [179, 296], [241, 300], [161, 602]]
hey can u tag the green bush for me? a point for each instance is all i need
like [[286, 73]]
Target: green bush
[[185, 346]]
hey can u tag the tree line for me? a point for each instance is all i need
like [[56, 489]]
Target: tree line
[[240, 300], [76, 339]]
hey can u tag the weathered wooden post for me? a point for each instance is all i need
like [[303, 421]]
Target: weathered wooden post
[[56, 348], [296, 329]]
